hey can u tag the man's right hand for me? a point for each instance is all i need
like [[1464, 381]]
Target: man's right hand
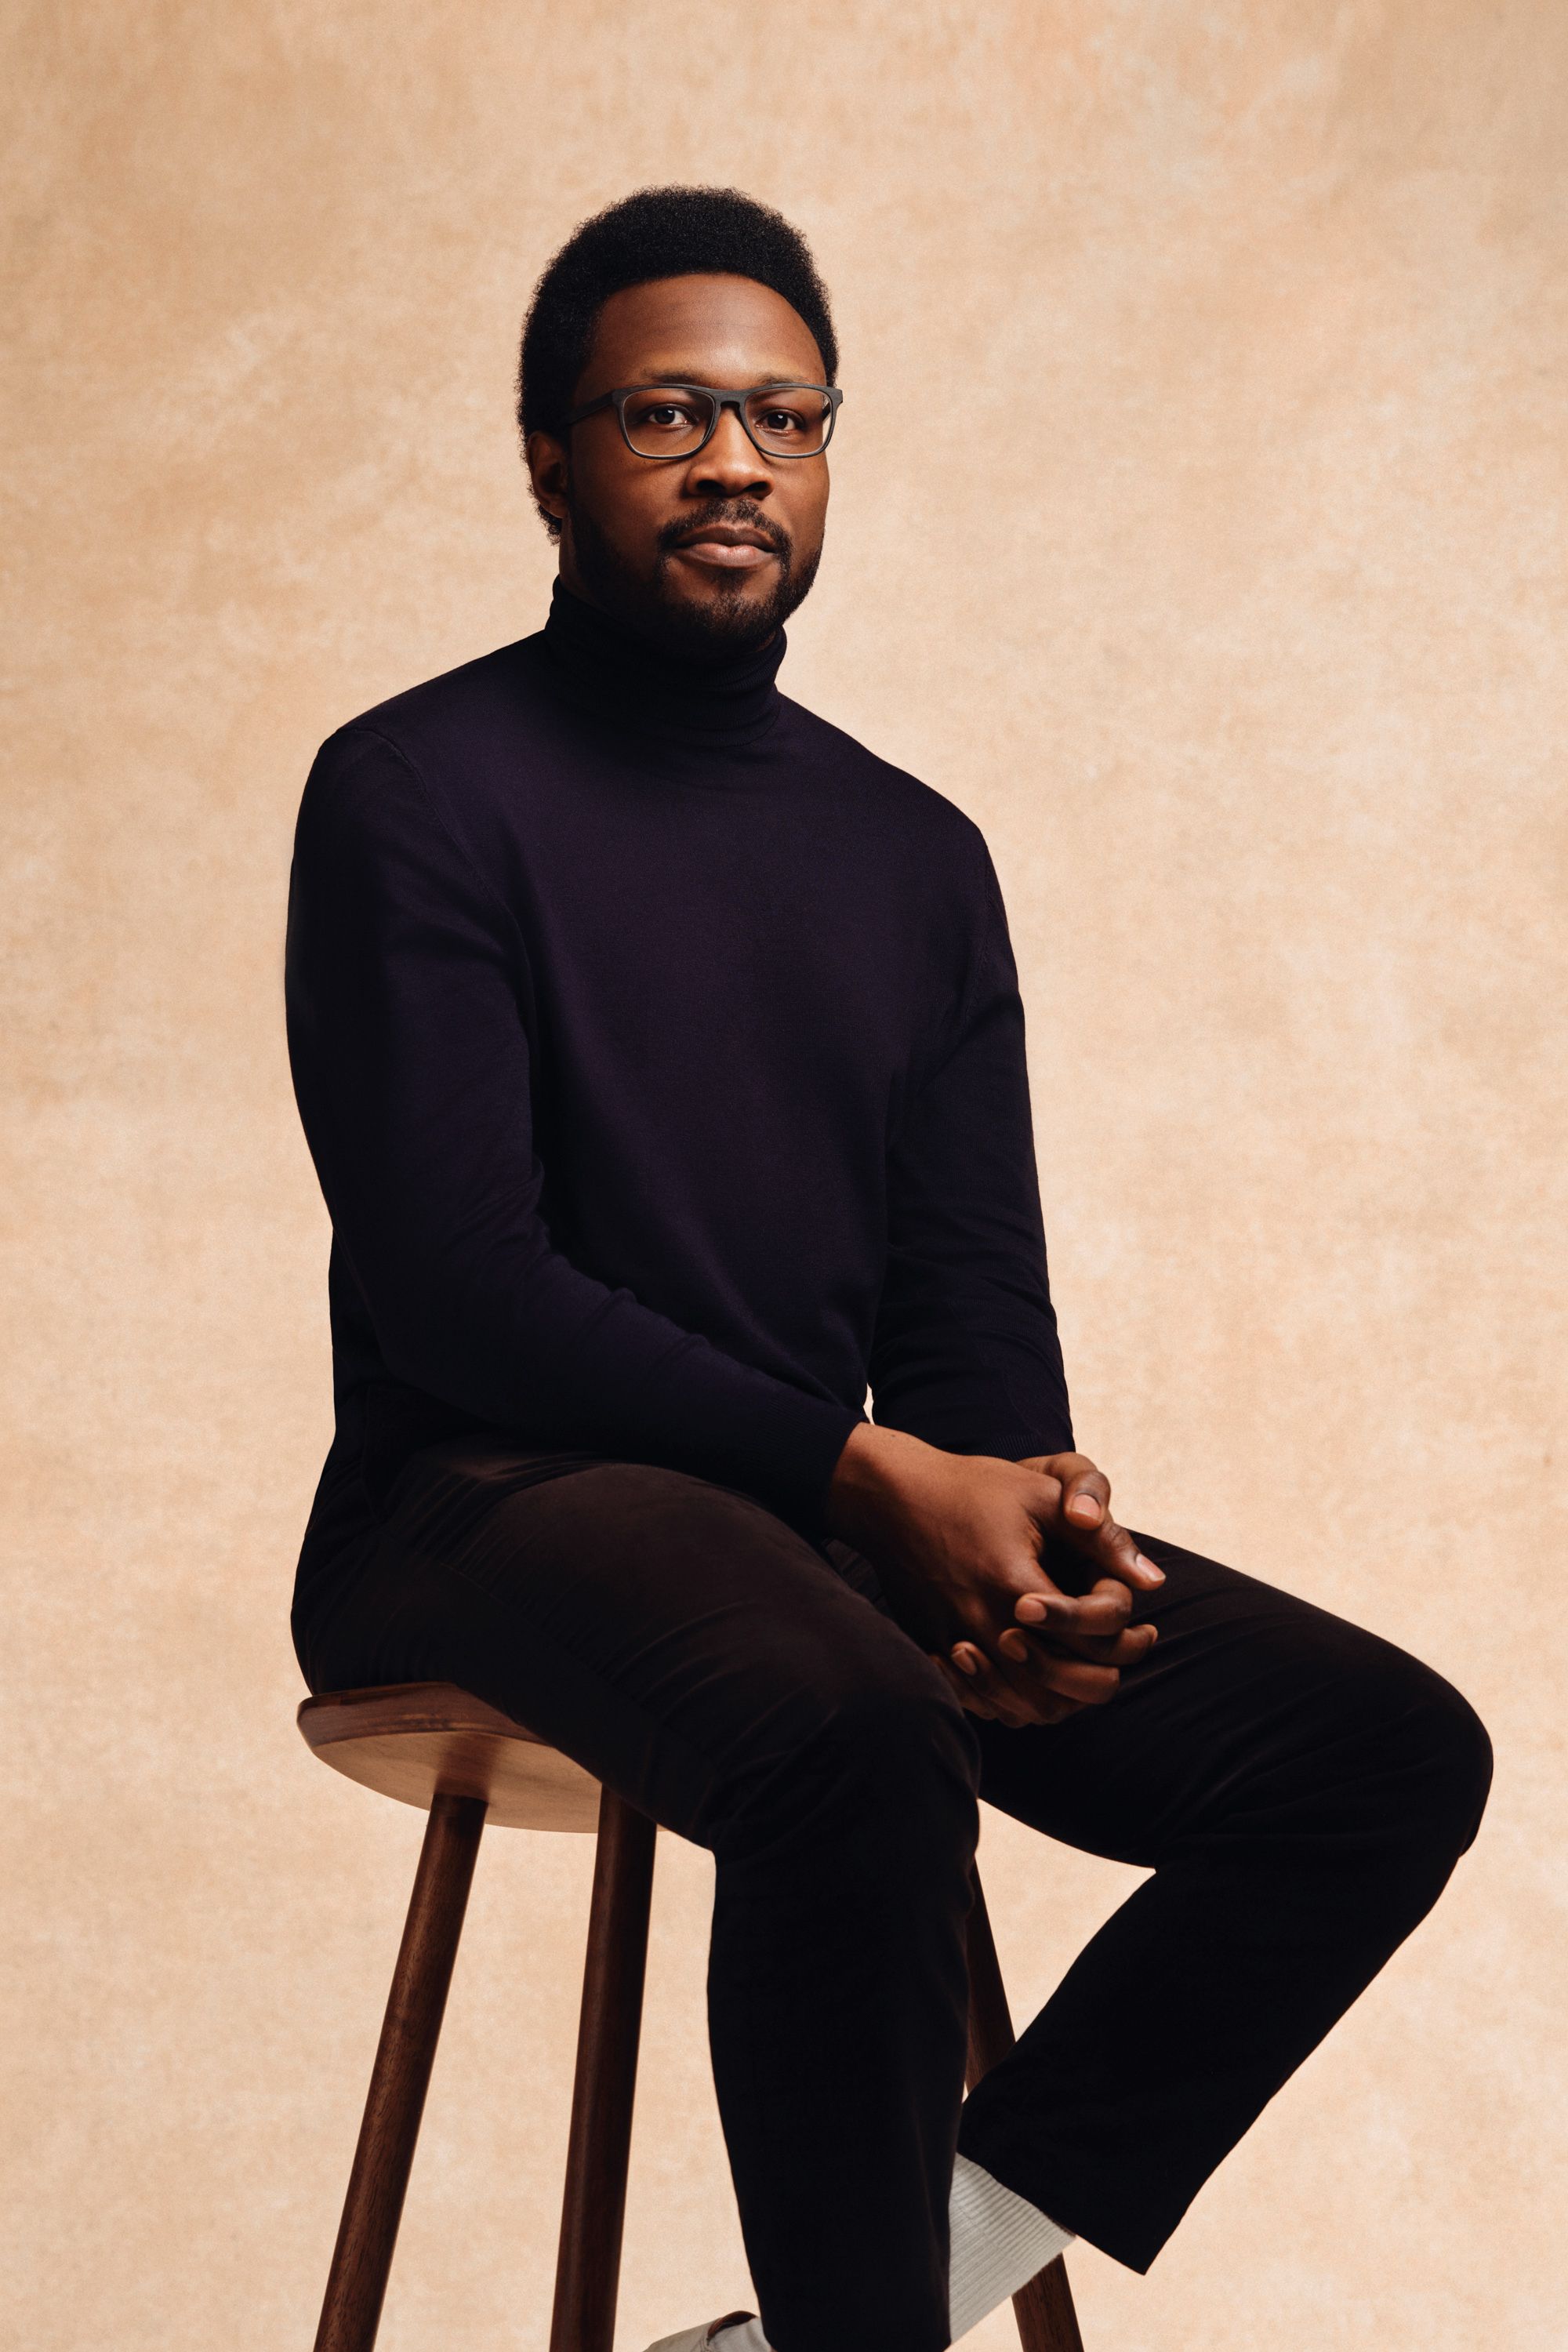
[[955, 1539]]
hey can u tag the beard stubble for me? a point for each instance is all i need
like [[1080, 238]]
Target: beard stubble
[[727, 620]]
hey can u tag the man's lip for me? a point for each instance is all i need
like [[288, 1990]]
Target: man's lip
[[728, 534], [729, 553]]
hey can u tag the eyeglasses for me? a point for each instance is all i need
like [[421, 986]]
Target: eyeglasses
[[676, 420]]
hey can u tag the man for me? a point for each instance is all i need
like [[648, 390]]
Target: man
[[661, 1057]]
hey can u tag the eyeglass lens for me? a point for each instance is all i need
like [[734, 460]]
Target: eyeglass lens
[[787, 420]]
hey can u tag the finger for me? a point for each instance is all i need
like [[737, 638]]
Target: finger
[[1076, 1678], [1115, 1553], [1088, 1622], [962, 1687], [1085, 1495], [1030, 1666], [1103, 1612], [1122, 1649], [1004, 1694], [968, 1688], [1085, 1489], [979, 1675], [1085, 1513]]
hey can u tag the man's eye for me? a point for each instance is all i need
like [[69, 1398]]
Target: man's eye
[[779, 420], [665, 412]]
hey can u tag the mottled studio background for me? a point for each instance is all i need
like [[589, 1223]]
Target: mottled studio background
[[1198, 526]]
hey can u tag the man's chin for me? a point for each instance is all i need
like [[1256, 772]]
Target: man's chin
[[691, 612], [718, 617]]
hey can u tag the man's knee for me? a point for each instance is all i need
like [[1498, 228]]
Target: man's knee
[[1425, 1747], [1456, 1754], [1358, 1740]]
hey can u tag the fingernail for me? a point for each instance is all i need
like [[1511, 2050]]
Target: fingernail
[[1149, 1567], [963, 1662]]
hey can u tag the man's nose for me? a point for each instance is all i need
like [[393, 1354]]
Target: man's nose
[[729, 467]]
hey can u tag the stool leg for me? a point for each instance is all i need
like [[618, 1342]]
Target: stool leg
[[356, 2284], [588, 2267], [1047, 2321]]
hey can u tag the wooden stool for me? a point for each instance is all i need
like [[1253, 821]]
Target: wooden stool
[[432, 1745]]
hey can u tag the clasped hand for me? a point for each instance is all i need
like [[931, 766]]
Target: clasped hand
[[957, 1542]]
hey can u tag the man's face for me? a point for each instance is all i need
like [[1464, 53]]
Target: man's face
[[707, 555]]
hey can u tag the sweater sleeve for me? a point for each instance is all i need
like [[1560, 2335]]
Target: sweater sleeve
[[965, 1353], [407, 984]]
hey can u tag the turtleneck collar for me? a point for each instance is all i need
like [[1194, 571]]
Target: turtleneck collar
[[607, 670]]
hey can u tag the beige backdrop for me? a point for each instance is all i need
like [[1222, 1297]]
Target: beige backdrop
[[1198, 526]]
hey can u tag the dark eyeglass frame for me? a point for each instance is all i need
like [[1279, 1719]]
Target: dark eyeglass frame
[[735, 397]]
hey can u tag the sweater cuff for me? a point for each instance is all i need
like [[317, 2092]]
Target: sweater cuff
[[815, 1441], [784, 1450]]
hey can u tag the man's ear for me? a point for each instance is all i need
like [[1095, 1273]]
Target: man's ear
[[547, 470]]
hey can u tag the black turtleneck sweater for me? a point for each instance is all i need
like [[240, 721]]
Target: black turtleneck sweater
[[660, 1054]]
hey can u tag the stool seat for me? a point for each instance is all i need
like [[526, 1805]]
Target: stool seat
[[416, 1741]]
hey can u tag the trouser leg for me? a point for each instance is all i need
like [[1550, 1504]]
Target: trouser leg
[[1301, 1790], [709, 1666]]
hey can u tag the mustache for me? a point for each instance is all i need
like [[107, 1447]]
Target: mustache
[[738, 513]]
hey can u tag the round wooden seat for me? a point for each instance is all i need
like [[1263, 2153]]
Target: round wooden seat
[[416, 1741]]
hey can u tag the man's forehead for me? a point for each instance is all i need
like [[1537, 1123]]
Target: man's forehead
[[703, 330], [699, 373]]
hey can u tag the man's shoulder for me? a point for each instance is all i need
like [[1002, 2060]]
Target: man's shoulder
[[481, 705], [887, 791]]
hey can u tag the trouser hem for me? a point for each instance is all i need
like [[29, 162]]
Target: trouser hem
[[1134, 2248]]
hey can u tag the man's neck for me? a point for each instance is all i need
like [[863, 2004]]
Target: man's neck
[[611, 669]]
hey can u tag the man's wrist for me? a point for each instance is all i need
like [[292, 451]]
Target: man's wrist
[[875, 1463]]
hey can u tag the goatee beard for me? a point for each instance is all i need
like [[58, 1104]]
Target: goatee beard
[[726, 621]]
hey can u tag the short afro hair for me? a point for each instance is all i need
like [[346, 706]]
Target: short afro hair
[[656, 233]]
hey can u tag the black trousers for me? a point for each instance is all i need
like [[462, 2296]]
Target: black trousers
[[1300, 1790]]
